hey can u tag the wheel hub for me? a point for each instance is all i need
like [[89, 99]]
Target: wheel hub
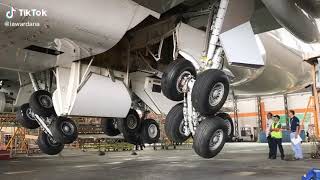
[[51, 142], [228, 124], [216, 94], [132, 122], [115, 124], [153, 131], [216, 139], [181, 128], [67, 128], [30, 114], [182, 81], [45, 101]]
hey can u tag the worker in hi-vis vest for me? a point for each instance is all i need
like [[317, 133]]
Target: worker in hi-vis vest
[[276, 135]]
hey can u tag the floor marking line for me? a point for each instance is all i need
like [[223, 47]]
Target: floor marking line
[[18, 172], [111, 163], [86, 165]]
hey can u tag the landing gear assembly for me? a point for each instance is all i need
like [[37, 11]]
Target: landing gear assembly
[[204, 88], [134, 129], [39, 112], [203, 96]]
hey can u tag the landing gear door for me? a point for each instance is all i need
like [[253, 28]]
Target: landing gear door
[[100, 96], [148, 89], [153, 89], [242, 47]]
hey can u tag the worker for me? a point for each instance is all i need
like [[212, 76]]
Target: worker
[[276, 135], [268, 135], [295, 132]]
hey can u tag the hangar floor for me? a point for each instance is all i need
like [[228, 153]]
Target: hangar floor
[[242, 161]]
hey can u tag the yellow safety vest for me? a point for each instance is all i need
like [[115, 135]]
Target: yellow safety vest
[[275, 134]]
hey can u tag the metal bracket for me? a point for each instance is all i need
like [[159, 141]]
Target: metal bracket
[[43, 125], [157, 57], [34, 82]]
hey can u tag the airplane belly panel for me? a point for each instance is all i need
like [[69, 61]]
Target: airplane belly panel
[[294, 18], [284, 71], [95, 27]]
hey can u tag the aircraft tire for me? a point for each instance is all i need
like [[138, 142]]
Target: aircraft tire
[[130, 127], [210, 137], [210, 92], [150, 131], [228, 120], [64, 130], [109, 126], [41, 103], [172, 76], [47, 146], [174, 124], [26, 118]]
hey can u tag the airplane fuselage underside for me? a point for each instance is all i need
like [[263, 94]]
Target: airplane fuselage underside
[[112, 58]]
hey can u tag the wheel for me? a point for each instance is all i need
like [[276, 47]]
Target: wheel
[[64, 130], [173, 76], [41, 103], [130, 127], [174, 126], [150, 131], [26, 117], [210, 137], [109, 126], [47, 146], [229, 123], [210, 92]]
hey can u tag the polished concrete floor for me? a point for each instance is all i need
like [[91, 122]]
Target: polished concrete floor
[[241, 161]]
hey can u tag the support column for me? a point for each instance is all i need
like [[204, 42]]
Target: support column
[[236, 117], [286, 109], [314, 62], [260, 125], [316, 98]]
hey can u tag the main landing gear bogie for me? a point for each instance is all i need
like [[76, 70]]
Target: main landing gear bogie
[[56, 131], [134, 129], [203, 96]]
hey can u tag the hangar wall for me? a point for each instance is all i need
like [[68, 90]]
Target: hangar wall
[[248, 111]]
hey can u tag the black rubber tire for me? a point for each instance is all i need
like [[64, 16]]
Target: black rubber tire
[[24, 119], [109, 127], [204, 133], [173, 124], [47, 147], [202, 88], [145, 133], [57, 130], [171, 76], [38, 108], [131, 135], [227, 117]]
